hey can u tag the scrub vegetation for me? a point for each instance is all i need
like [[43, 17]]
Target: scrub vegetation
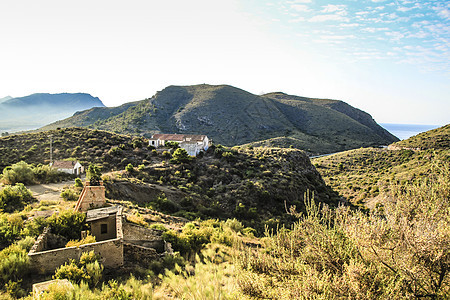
[[255, 223]]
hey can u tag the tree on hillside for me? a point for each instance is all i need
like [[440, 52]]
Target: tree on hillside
[[180, 156], [94, 175]]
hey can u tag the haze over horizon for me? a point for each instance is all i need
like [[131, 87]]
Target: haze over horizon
[[388, 58]]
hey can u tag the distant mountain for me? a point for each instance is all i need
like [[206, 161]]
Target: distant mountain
[[231, 116], [36, 110], [5, 99]]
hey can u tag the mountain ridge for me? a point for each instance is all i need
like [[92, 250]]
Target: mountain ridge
[[36, 110], [232, 116]]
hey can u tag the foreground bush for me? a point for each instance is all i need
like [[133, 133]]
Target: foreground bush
[[14, 197], [87, 270], [401, 253], [19, 172], [68, 224]]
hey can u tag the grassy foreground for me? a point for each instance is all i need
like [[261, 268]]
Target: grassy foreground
[[401, 251]]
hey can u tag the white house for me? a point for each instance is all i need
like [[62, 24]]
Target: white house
[[192, 143], [68, 166]]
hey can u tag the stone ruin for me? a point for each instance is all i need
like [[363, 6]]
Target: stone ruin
[[118, 242]]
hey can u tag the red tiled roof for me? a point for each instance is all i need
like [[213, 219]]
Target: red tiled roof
[[179, 137], [64, 164]]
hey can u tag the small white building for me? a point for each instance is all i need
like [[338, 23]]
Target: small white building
[[68, 166], [192, 143]]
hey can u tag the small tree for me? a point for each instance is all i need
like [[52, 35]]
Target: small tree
[[94, 175], [129, 168], [180, 156]]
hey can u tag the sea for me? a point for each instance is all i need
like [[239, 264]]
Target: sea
[[404, 131]]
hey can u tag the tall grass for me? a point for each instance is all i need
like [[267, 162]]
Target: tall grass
[[400, 252]]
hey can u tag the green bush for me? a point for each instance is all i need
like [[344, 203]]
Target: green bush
[[69, 195], [87, 270], [14, 197], [94, 175], [129, 168], [19, 172], [78, 183], [72, 272], [14, 264], [180, 156], [10, 228], [68, 224]]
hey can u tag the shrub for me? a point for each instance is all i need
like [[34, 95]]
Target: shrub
[[10, 228], [87, 240], [129, 168], [94, 175], [166, 154], [78, 183], [69, 195], [87, 270], [19, 172], [68, 224], [180, 156], [72, 272], [14, 264], [14, 197]]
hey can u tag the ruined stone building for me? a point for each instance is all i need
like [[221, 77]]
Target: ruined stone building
[[118, 242]]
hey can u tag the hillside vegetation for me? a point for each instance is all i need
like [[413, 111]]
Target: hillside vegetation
[[362, 175], [256, 186], [433, 139], [312, 248], [231, 116], [109, 150]]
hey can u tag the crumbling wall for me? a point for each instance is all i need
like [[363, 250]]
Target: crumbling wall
[[138, 254], [111, 252], [91, 197], [135, 232], [142, 236], [41, 242], [46, 262]]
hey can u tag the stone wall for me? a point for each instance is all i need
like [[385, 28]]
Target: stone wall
[[96, 228], [150, 238], [111, 252], [46, 262], [135, 232], [41, 242], [138, 254]]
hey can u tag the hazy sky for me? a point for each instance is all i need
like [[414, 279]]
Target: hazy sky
[[389, 58]]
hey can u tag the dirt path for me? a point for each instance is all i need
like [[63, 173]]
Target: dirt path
[[49, 191]]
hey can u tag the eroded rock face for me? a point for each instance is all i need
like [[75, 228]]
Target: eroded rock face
[[139, 193]]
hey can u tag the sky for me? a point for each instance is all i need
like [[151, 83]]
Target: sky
[[388, 58]]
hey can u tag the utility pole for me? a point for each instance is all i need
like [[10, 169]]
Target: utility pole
[[51, 150]]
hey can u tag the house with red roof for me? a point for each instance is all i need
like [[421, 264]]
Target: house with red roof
[[68, 166]]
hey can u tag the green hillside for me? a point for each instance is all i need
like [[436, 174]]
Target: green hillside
[[231, 116], [107, 149], [438, 138], [367, 175], [253, 185]]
